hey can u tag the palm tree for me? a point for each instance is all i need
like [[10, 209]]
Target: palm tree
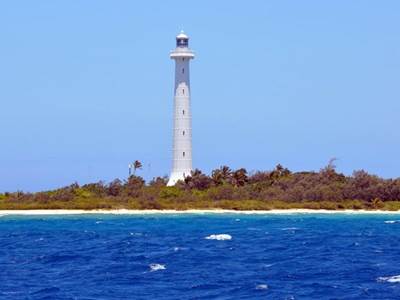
[[221, 175], [197, 180], [136, 165], [239, 177], [226, 172], [195, 172], [216, 177], [279, 172]]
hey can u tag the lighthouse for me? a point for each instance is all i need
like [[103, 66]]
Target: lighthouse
[[182, 135]]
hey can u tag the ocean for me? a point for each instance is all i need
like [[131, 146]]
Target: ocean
[[200, 256]]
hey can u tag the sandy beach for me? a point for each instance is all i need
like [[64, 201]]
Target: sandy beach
[[191, 211]]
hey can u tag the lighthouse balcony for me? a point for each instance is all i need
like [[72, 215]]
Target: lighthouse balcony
[[181, 53]]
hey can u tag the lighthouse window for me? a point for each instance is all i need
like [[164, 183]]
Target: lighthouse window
[[183, 91], [183, 71], [183, 154], [183, 112], [182, 42], [183, 133]]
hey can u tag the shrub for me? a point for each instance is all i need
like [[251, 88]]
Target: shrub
[[170, 192]]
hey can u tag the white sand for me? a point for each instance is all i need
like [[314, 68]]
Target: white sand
[[190, 211]]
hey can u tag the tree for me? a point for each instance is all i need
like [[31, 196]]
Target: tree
[[331, 164], [363, 186], [279, 172], [226, 173], [239, 177], [198, 180], [216, 177], [134, 185], [159, 181], [136, 165], [221, 175], [115, 187], [328, 174]]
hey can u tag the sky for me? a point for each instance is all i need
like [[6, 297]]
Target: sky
[[86, 87]]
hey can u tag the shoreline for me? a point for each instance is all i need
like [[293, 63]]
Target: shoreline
[[39, 212]]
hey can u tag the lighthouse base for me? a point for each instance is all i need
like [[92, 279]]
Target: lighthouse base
[[176, 176]]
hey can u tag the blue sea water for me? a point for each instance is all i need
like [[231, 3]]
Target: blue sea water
[[304, 256]]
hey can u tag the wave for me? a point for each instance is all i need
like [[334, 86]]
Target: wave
[[135, 233], [290, 228], [392, 221], [156, 267], [261, 287], [219, 237], [391, 279]]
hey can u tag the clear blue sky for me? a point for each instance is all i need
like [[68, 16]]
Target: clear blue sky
[[87, 86]]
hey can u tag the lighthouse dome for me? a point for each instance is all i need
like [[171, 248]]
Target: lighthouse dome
[[182, 35], [182, 40]]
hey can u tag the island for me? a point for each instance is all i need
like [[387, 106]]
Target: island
[[223, 189]]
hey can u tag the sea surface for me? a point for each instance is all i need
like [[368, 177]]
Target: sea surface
[[210, 256]]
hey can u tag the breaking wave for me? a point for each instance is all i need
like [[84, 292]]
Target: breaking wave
[[156, 267], [290, 228], [261, 287], [391, 279], [219, 237]]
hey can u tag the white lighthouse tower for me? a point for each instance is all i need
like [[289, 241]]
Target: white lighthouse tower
[[182, 145]]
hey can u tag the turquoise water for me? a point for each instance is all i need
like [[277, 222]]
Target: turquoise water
[[176, 256]]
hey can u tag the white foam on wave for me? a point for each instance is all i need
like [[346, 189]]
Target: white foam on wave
[[261, 287], [156, 267], [219, 237], [135, 233], [391, 279], [290, 228], [392, 221]]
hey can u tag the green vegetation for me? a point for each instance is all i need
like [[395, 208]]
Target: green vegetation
[[224, 189]]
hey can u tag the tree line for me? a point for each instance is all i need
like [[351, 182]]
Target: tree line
[[224, 188]]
